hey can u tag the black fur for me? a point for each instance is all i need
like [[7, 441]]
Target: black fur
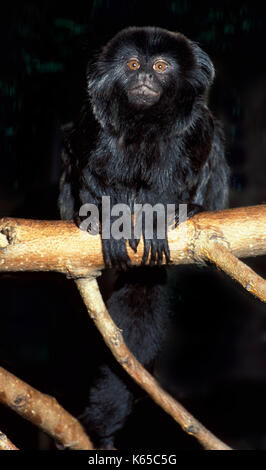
[[143, 136]]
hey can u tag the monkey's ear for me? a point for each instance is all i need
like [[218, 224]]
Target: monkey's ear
[[204, 74]]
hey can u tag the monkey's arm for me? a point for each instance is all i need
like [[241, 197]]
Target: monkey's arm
[[213, 184]]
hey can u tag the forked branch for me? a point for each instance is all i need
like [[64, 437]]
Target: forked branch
[[27, 245]]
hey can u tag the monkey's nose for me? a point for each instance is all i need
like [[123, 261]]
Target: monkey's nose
[[145, 77]]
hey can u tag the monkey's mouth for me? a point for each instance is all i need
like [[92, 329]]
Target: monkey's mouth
[[144, 90]]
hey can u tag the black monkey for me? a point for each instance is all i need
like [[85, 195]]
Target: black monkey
[[145, 135]]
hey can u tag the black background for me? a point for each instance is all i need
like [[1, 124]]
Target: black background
[[214, 359]]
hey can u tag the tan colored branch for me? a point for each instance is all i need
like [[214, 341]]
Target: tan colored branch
[[92, 298], [34, 245], [5, 443], [42, 410], [223, 259], [39, 245]]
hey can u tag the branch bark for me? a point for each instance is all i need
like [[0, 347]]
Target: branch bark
[[5, 443], [42, 410]]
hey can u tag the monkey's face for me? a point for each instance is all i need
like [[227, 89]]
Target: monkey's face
[[141, 67], [144, 69], [146, 79]]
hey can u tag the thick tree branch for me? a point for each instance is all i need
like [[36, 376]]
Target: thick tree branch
[[42, 410], [92, 298], [32, 245]]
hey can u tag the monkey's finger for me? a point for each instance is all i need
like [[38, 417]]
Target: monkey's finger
[[147, 246], [133, 243]]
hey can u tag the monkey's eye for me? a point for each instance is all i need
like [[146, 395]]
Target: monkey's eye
[[133, 64], [160, 66]]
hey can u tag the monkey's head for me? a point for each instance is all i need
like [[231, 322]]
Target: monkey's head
[[146, 71]]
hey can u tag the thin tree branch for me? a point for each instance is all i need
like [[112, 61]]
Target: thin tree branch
[[236, 269], [42, 410], [5, 443], [112, 336]]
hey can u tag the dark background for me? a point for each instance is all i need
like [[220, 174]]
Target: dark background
[[214, 360]]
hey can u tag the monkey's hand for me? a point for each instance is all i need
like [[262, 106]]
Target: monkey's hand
[[115, 253], [88, 224], [154, 237], [155, 243], [154, 250]]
